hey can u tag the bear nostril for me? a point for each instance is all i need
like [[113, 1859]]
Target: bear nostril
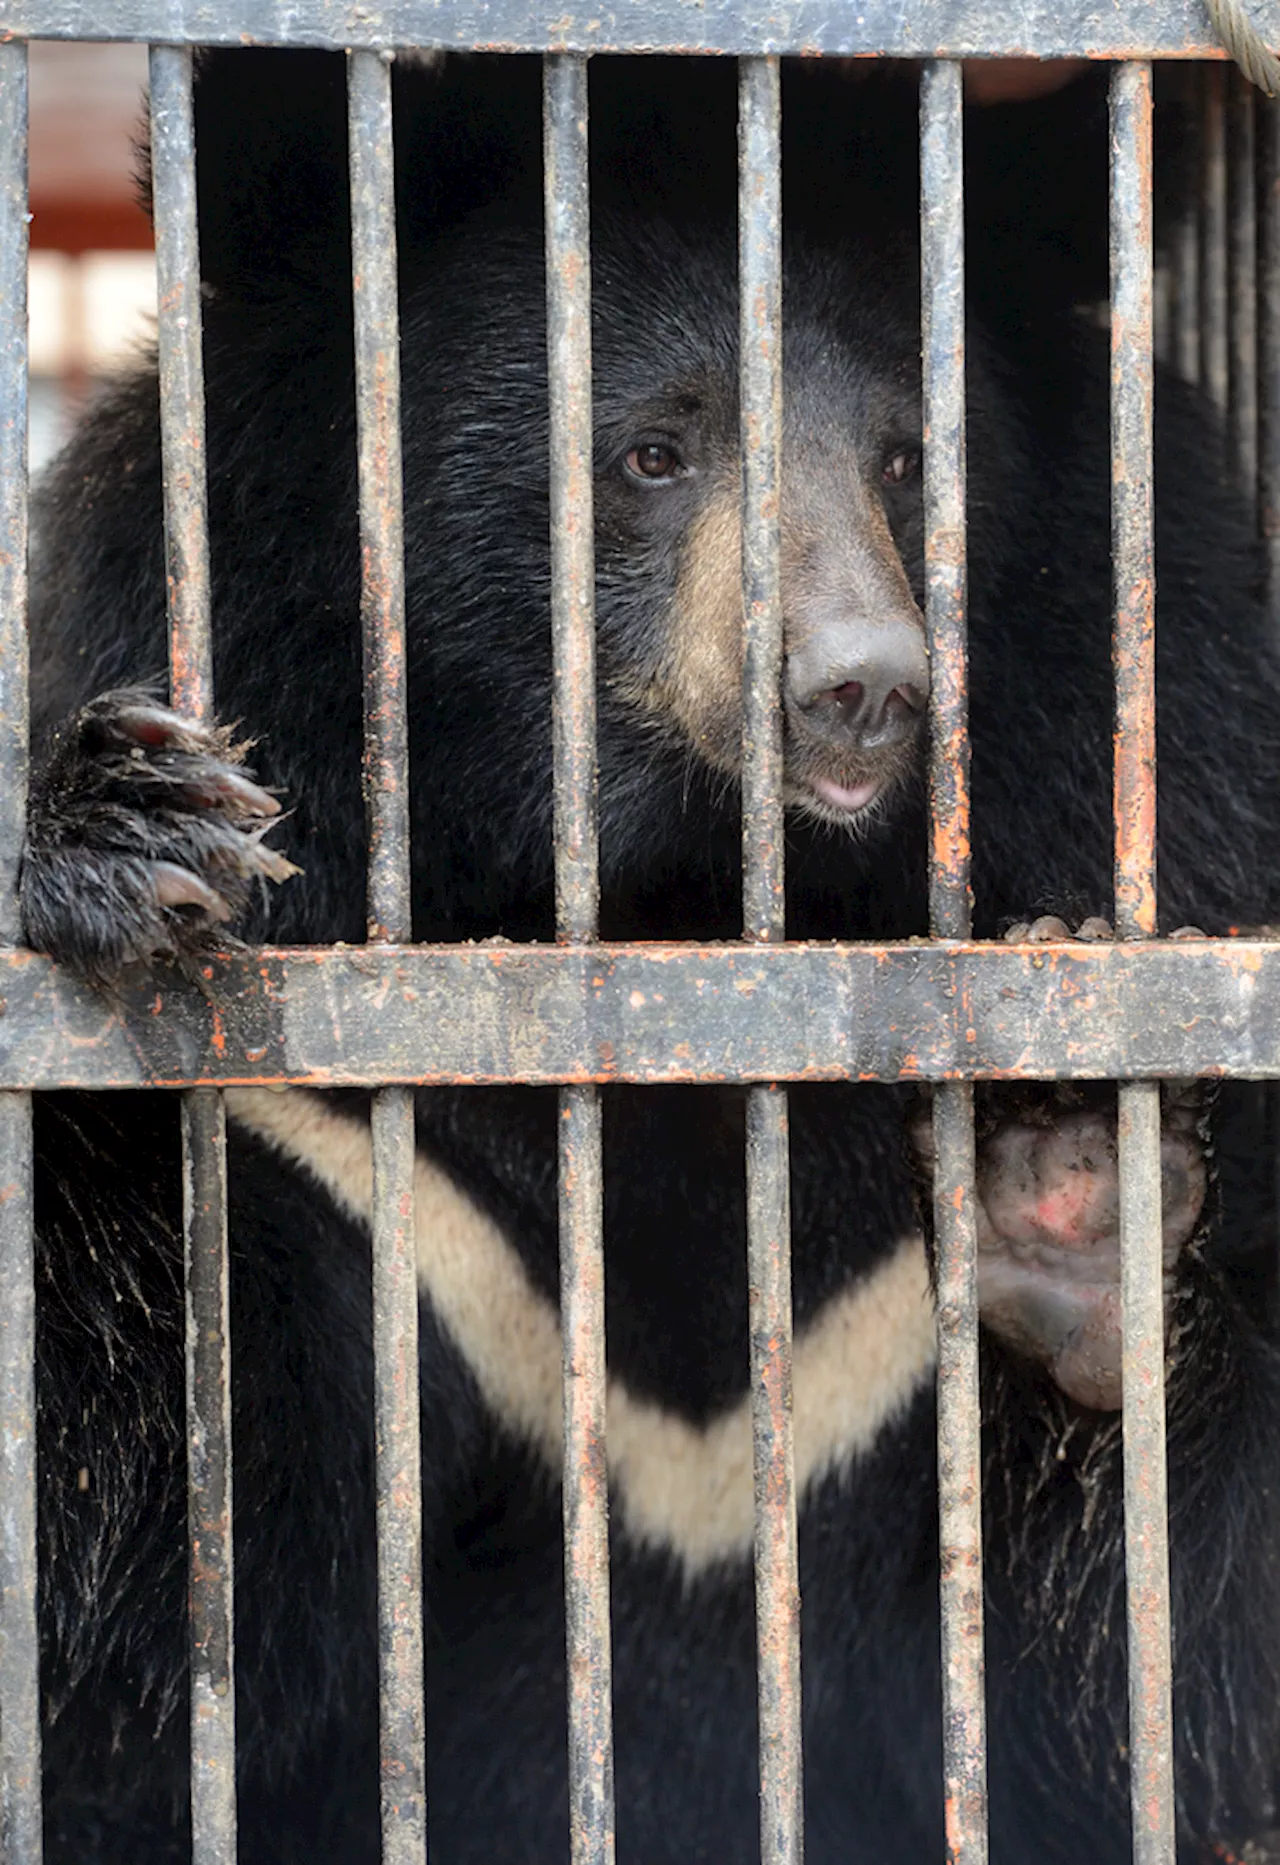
[[859, 685], [906, 699]]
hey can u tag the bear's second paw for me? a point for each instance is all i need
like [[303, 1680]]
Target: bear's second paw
[[145, 838], [1048, 1214]]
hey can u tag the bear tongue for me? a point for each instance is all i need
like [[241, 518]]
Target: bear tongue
[[841, 797]]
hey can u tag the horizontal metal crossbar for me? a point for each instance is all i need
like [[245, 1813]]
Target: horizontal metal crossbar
[[360, 1016], [943, 28]]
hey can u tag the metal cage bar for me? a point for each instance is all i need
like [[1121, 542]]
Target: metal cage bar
[[1214, 346], [586, 1490], [1133, 556], [1242, 285], [429, 1015], [398, 1465], [1267, 136], [21, 1831], [946, 593], [882, 28], [204, 1133], [764, 920]]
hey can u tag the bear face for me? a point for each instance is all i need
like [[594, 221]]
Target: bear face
[[668, 493]]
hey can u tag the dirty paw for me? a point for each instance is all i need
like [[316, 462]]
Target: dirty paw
[[1049, 1220], [1091, 931], [145, 838]]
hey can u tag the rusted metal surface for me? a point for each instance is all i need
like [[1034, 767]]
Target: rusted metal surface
[[377, 348], [212, 1566], [21, 1837], [1267, 130], [944, 28], [950, 908], [760, 337], [13, 480], [181, 360], [1132, 502], [398, 1463], [586, 1481], [209, 1501], [946, 573], [1242, 285], [1141, 1258], [572, 539], [586, 1484], [776, 1546], [959, 1473], [1214, 351], [1146, 1521], [398, 1478], [358, 1016], [764, 920]]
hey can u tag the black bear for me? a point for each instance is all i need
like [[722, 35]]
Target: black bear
[[146, 834]]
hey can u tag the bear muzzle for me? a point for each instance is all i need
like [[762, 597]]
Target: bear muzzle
[[856, 691]]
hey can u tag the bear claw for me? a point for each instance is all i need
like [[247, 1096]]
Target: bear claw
[[145, 838]]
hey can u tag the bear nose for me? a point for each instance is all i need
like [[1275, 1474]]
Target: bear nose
[[861, 685]]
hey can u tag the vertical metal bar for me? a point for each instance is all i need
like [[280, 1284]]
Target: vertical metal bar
[[13, 480], [186, 505], [776, 1538], [760, 265], [764, 919], [377, 342], [209, 1512], [397, 1418], [21, 1833], [209, 1502], [1242, 285], [1133, 553], [586, 1490], [1186, 241], [946, 558], [1267, 129], [1214, 352], [568, 231], [586, 1481], [1132, 507], [397, 1428], [950, 907]]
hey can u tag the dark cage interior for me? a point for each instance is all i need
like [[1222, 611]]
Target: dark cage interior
[[553, 876]]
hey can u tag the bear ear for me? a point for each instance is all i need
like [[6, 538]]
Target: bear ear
[[271, 186], [271, 158]]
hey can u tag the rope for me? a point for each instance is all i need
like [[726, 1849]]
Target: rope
[[1245, 44]]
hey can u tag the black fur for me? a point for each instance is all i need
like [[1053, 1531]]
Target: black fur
[[286, 583]]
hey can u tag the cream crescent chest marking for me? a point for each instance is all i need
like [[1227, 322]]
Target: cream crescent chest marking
[[683, 1487]]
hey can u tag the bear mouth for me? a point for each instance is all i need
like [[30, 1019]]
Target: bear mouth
[[850, 804], [842, 793], [846, 799]]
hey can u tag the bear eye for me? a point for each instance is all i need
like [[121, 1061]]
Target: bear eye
[[900, 466], [653, 460]]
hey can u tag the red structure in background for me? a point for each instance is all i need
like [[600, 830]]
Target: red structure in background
[[86, 104]]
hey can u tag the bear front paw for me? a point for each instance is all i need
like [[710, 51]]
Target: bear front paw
[[145, 838], [1048, 1219]]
